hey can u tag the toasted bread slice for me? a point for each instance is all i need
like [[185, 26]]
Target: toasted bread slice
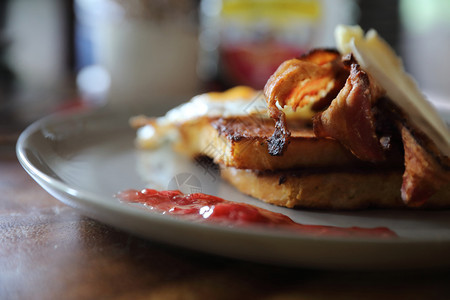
[[241, 142], [328, 189]]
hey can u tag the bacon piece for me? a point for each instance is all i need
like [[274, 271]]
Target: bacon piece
[[314, 79], [350, 118], [354, 118], [426, 171]]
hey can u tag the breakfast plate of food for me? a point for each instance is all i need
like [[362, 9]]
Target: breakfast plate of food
[[340, 162]]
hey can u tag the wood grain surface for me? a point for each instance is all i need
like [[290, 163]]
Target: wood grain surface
[[49, 251]]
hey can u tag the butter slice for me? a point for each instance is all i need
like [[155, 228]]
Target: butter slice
[[378, 58]]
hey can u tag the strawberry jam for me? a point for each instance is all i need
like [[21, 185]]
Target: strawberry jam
[[207, 208]]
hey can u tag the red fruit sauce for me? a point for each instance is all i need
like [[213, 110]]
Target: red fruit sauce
[[207, 208]]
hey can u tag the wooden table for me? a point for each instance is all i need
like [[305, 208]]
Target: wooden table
[[50, 251]]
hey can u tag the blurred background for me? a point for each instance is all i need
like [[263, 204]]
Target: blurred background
[[149, 55]]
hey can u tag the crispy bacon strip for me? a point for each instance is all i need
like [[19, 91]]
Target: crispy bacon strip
[[425, 170], [350, 118], [314, 78]]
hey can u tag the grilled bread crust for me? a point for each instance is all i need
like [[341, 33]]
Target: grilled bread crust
[[328, 189], [242, 143]]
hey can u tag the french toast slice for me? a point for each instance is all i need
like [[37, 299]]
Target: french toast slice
[[339, 189], [241, 142]]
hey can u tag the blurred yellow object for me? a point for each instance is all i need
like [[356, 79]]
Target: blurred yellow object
[[278, 12], [238, 92]]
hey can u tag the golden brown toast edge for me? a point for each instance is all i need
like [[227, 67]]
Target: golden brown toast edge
[[332, 190], [235, 142]]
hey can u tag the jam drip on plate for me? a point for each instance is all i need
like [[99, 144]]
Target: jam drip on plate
[[207, 208]]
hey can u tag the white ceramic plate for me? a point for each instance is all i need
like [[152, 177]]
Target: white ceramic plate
[[83, 159]]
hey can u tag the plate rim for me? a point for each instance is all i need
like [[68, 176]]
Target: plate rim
[[89, 198]]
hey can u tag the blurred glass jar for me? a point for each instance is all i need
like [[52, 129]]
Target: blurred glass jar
[[244, 41], [137, 52]]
